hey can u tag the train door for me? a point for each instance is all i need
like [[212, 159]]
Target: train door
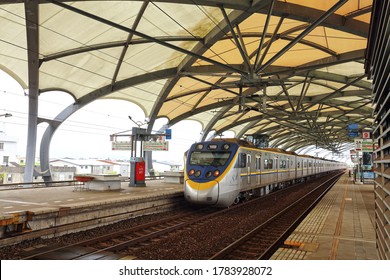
[[258, 169], [248, 168], [266, 169], [277, 168], [288, 165]]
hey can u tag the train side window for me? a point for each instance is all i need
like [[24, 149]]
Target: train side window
[[298, 164], [242, 160], [270, 164]]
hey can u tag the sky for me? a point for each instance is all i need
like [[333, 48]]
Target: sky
[[86, 134]]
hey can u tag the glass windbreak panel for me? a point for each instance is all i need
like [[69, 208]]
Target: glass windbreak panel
[[209, 158]]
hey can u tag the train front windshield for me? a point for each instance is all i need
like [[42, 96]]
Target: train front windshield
[[209, 158]]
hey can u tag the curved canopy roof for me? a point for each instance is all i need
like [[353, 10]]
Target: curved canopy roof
[[292, 69]]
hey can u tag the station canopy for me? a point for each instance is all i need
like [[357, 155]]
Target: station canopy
[[291, 69]]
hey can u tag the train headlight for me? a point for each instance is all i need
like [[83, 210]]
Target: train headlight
[[208, 174], [199, 146], [216, 173], [226, 146], [191, 172], [197, 173]]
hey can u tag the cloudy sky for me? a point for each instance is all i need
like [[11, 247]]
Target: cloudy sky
[[86, 133]]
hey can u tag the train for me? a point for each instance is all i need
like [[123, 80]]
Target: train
[[223, 172]]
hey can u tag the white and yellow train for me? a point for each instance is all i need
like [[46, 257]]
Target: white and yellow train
[[222, 172]]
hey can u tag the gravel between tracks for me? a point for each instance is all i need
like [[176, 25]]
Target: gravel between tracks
[[13, 252]]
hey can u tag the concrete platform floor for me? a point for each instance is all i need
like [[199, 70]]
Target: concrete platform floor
[[30, 199], [340, 227]]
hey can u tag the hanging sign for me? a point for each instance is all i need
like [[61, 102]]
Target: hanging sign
[[358, 144], [121, 145], [367, 145], [168, 134], [156, 146], [353, 126], [366, 135]]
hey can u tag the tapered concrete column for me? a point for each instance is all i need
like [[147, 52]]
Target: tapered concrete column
[[31, 137], [32, 34]]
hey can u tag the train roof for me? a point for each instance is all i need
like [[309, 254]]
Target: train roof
[[234, 140], [248, 144], [279, 151]]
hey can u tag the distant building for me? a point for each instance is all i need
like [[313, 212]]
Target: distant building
[[11, 174], [8, 149], [86, 166], [62, 173], [119, 167], [14, 174]]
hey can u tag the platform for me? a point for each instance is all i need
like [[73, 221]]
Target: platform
[[340, 227], [42, 210], [30, 199]]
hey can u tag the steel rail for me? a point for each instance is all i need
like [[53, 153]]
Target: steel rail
[[269, 251]]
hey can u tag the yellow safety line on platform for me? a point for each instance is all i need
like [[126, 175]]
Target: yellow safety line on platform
[[339, 223]]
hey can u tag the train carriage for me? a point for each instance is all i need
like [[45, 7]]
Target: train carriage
[[222, 172]]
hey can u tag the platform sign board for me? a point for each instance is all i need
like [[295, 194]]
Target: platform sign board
[[121, 145], [358, 144], [366, 135], [353, 126], [353, 134], [168, 134], [156, 146], [367, 145]]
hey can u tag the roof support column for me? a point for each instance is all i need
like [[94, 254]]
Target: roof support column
[[31, 11]]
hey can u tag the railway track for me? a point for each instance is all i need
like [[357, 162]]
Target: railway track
[[109, 246], [160, 239], [265, 239]]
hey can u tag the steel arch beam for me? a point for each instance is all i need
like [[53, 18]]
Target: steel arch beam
[[216, 34], [92, 96]]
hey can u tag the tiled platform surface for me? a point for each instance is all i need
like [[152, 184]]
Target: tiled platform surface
[[340, 227], [31, 199]]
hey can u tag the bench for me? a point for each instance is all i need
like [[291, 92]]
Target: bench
[[103, 182]]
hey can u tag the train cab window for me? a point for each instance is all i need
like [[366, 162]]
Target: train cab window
[[217, 158]]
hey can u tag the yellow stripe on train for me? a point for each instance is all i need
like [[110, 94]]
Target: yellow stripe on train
[[266, 172]]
